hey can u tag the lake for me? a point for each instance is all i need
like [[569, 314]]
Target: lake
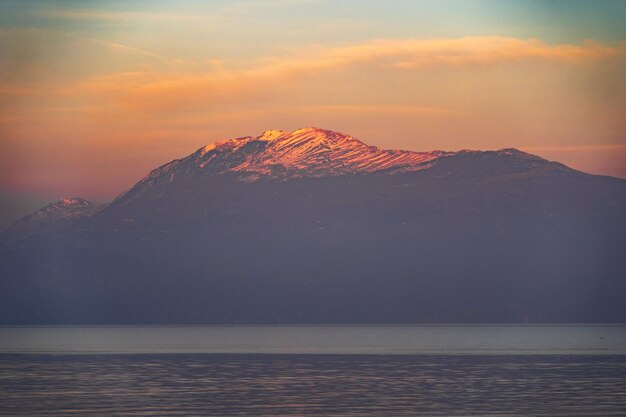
[[313, 370]]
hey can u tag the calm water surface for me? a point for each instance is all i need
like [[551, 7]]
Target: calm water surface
[[432, 370], [391, 340]]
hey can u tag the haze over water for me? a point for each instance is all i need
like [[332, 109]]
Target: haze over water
[[388, 340]]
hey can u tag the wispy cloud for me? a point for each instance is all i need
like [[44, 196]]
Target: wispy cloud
[[417, 53], [114, 16], [127, 48], [250, 6], [154, 89], [378, 109]]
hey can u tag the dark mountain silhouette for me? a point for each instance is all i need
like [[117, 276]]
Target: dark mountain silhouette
[[314, 226]]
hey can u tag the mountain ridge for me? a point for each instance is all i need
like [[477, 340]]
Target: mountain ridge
[[304, 153], [470, 236], [305, 149], [308, 152]]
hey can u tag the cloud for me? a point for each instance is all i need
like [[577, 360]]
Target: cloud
[[166, 89], [127, 48], [113, 16], [484, 50], [249, 6], [378, 109], [416, 53]]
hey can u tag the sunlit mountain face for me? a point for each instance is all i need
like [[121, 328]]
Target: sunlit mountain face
[[314, 226], [303, 153]]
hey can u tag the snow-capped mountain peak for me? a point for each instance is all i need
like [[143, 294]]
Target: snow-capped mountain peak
[[306, 152], [309, 152], [63, 209], [269, 135]]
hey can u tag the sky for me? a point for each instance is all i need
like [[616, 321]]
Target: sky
[[94, 94]]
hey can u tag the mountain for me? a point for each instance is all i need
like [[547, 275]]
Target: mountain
[[304, 153], [314, 226], [65, 209]]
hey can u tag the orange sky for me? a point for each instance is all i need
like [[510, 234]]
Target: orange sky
[[92, 98]]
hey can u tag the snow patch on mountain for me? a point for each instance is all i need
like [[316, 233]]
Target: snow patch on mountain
[[309, 152], [304, 153]]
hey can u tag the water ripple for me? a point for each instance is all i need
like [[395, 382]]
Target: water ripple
[[286, 385]]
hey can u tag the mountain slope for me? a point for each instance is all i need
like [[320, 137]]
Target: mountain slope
[[324, 229], [304, 153], [61, 211]]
